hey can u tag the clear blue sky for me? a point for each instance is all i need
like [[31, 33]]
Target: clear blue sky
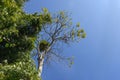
[[98, 56]]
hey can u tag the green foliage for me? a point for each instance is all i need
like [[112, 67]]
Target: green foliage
[[78, 24], [18, 31], [43, 45], [23, 70], [20, 2]]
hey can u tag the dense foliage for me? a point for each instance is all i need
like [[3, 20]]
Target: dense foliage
[[22, 70], [18, 32]]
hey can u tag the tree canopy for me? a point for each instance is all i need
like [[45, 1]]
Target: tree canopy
[[54, 35], [18, 31]]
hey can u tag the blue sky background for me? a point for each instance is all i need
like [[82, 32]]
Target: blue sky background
[[98, 56]]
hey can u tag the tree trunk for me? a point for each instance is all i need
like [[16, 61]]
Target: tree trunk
[[40, 64], [41, 61]]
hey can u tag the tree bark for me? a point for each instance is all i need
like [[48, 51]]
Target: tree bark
[[40, 64], [41, 61]]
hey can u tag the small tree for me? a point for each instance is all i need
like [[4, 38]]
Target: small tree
[[53, 35]]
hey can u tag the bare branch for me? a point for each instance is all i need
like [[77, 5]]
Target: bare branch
[[59, 31]]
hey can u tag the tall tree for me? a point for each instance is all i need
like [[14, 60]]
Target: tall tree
[[54, 35]]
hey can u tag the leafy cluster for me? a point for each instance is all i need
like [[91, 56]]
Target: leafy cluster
[[43, 45], [21, 70]]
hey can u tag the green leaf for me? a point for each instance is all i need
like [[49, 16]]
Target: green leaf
[[78, 24], [6, 45]]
